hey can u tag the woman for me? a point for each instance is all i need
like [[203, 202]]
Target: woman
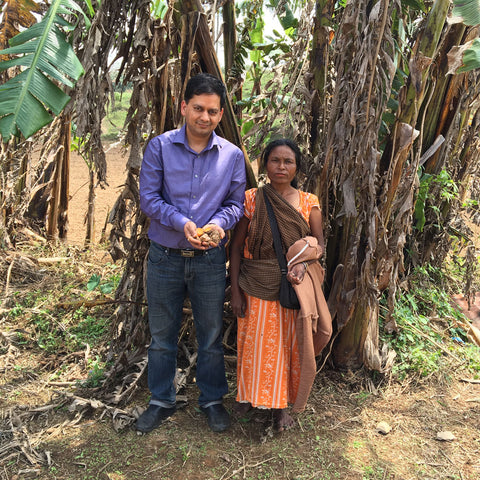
[[268, 368]]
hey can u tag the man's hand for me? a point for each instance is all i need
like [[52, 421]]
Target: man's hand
[[190, 230], [212, 234], [191, 234]]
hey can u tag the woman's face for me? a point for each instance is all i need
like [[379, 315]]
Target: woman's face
[[281, 165]]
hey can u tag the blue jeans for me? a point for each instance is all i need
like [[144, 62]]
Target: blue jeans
[[170, 277]]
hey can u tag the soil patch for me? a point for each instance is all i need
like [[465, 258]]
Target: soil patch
[[105, 196], [51, 430]]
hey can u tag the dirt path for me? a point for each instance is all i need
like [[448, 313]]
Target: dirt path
[[105, 197]]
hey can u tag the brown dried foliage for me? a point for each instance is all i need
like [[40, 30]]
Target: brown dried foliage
[[17, 15]]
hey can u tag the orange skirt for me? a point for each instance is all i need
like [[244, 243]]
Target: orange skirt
[[268, 362]]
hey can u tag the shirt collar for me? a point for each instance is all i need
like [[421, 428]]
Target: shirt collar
[[181, 137]]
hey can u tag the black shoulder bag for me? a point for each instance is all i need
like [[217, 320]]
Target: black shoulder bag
[[287, 296]]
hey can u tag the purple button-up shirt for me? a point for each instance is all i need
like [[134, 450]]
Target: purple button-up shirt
[[178, 184]]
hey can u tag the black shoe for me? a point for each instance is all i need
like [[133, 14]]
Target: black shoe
[[152, 417], [217, 417]]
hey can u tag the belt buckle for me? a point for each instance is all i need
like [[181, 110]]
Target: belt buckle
[[187, 253]]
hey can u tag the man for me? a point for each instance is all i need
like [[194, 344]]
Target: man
[[189, 178]]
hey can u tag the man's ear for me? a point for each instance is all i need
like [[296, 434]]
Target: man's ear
[[183, 106]]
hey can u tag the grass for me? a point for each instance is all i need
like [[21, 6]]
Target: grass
[[54, 329], [53, 315]]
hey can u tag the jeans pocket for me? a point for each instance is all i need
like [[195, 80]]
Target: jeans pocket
[[156, 255], [216, 257]]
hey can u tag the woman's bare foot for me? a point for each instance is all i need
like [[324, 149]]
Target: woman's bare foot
[[242, 408], [282, 420]]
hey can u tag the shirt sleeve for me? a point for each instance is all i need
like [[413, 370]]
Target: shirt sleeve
[[250, 196], [151, 181], [308, 202], [313, 201], [232, 207]]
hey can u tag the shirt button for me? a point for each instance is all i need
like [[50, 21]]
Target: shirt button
[[196, 176], [194, 196]]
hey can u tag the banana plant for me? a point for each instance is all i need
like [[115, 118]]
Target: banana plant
[[31, 99], [17, 15]]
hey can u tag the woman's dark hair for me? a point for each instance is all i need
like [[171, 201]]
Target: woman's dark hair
[[205, 83], [280, 142]]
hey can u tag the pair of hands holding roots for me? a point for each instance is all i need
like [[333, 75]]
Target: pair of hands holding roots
[[205, 237]]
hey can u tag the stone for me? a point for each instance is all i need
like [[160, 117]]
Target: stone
[[384, 428], [445, 436]]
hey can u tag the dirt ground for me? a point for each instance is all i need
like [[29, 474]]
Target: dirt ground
[[51, 430], [105, 197], [336, 437]]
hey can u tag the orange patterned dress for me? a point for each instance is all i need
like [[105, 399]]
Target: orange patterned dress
[[268, 363]]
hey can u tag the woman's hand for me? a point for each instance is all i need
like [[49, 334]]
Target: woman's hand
[[238, 303], [297, 273]]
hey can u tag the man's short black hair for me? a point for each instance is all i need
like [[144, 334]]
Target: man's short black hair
[[205, 83]]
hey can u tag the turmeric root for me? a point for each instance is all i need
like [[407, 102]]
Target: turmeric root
[[208, 234]]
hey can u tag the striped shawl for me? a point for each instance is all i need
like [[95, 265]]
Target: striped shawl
[[260, 276]]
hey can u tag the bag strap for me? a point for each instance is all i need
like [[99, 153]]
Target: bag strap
[[277, 243]]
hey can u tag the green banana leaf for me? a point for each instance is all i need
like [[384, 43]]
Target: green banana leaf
[[30, 100], [471, 57], [468, 11]]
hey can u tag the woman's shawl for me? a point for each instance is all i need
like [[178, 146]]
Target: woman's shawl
[[314, 322], [260, 276]]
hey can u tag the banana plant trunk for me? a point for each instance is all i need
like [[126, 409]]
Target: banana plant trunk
[[90, 216], [373, 194], [452, 117], [364, 48], [319, 60], [57, 219], [229, 35]]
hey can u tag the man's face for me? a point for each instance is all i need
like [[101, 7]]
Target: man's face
[[202, 114]]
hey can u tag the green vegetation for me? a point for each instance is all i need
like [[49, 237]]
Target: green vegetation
[[57, 330], [448, 191], [432, 332], [113, 123], [95, 374], [67, 314]]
